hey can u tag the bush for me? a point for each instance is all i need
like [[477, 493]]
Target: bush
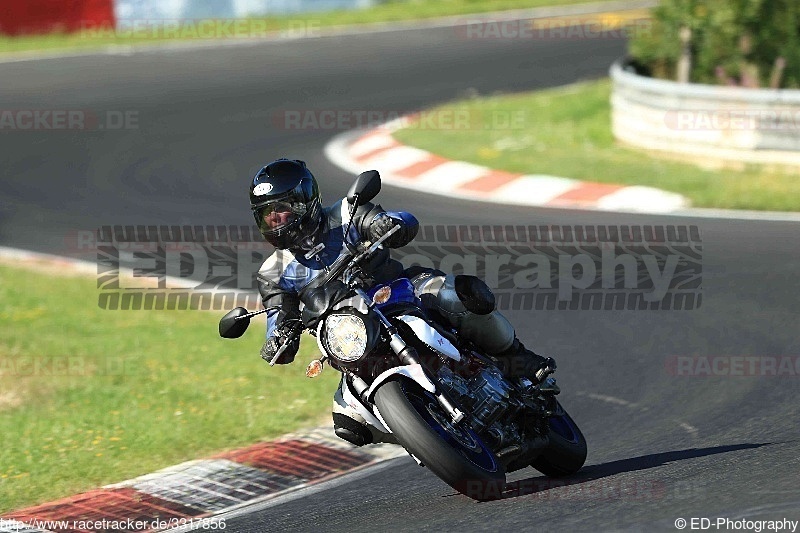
[[735, 42]]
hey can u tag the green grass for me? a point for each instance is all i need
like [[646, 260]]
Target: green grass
[[117, 394], [567, 132], [392, 11]]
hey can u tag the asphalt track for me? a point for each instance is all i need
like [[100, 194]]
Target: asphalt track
[[661, 446]]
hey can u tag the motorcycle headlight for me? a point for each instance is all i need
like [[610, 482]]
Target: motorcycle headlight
[[346, 336]]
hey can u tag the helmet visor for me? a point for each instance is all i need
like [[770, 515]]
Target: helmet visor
[[279, 214]]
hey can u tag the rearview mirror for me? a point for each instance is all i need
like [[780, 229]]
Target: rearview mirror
[[233, 327], [366, 187]]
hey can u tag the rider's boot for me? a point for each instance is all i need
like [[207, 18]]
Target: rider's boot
[[519, 362], [348, 424]]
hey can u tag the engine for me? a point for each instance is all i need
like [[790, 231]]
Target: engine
[[488, 397]]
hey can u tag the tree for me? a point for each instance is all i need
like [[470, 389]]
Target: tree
[[752, 43]]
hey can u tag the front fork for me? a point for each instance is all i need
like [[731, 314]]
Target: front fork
[[409, 357]]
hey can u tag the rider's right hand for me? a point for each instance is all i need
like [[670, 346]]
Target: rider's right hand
[[274, 343]]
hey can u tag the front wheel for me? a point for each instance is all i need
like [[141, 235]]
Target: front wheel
[[566, 452], [453, 452]]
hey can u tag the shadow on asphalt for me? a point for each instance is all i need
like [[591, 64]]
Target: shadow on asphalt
[[539, 484]]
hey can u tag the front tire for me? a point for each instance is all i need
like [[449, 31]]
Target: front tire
[[566, 452], [455, 454]]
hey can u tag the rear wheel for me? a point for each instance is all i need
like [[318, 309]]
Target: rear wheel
[[566, 452], [453, 452]]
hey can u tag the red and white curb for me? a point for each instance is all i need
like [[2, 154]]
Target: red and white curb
[[206, 488], [413, 168]]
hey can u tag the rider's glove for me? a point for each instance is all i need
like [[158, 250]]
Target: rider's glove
[[383, 223], [274, 343]]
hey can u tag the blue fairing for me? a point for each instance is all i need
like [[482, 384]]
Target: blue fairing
[[300, 271], [402, 292]]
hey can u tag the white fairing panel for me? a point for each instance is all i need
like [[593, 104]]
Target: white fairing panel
[[414, 372], [431, 337], [353, 403]]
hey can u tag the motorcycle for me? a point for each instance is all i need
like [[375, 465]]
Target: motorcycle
[[416, 383]]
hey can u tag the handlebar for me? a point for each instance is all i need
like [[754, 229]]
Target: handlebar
[[346, 260], [337, 269]]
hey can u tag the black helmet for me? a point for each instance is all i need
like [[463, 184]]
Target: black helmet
[[286, 204]]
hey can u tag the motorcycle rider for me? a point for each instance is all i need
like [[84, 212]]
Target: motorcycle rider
[[287, 207]]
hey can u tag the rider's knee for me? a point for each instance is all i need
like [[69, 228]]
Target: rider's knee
[[456, 296], [473, 292]]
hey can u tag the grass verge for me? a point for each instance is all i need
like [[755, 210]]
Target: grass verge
[[567, 132], [90, 397], [297, 24]]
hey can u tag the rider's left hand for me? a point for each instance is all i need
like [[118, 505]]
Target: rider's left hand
[[382, 224]]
